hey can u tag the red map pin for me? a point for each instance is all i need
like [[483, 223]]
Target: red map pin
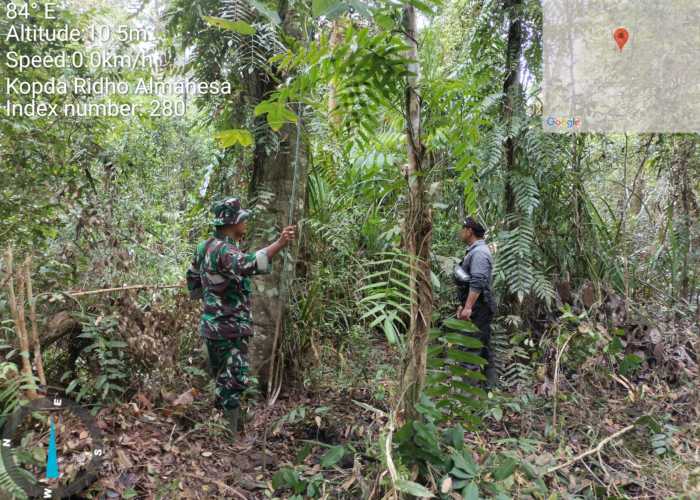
[[621, 36]]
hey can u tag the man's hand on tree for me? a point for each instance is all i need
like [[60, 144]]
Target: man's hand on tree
[[288, 234]]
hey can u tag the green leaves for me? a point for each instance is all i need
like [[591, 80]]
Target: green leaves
[[629, 364], [461, 325], [286, 477], [331, 9], [228, 138], [240, 27], [464, 340], [464, 465], [267, 12], [277, 114], [333, 456], [471, 492], [327, 8], [415, 489], [505, 469], [386, 295], [466, 357]]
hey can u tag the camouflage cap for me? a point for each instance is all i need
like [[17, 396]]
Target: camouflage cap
[[228, 211]]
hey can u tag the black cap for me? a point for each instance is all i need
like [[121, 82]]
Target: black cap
[[472, 224]]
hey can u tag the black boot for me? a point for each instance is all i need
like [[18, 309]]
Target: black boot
[[233, 416], [491, 376]]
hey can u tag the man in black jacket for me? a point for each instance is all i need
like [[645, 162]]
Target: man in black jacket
[[476, 300]]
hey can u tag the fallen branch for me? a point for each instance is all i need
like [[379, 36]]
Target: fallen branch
[[17, 310], [555, 391], [38, 361], [597, 449], [57, 327], [121, 288], [220, 484]]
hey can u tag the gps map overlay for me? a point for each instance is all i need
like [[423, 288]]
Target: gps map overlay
[[621, 66]]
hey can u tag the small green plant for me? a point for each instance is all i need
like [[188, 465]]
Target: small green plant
[[443, 453], [662, 438], [292, 481], [109, 356], [454, 371]]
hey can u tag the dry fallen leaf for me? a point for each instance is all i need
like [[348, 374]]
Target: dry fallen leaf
[[124, 459], [185, 399], [446, 485]]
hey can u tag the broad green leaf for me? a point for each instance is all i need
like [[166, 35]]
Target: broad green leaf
[[332, 456], [415, 489], [471, 492], [458, 324], [240, 27], [423, 7], [465, 462], [464, 340], [277, 114], [286, 477], [505, 470], [227, 138], [361, 8], [327, 8], [390, 331], [270, 14], [117, 344], [384, 21], [456, 436], [466, 357], [71, 386], [497, 413]]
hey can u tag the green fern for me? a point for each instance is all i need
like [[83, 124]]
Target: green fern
[[491, 151], [515, 257], [386, 295], [512, 359]]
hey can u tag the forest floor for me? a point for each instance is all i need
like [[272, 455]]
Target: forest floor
[[180, 448]]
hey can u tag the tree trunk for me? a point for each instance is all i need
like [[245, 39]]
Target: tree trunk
[[336, 38], [685, 150], [282, 174], [417, 231], [512, 90], [275, 174]]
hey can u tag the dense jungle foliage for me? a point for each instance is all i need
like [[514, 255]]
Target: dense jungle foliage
[[377, 144]]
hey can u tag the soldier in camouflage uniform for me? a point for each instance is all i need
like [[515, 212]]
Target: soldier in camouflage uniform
[[221, 276]]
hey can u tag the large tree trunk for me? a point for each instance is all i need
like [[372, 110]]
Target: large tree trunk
[[684, 151], [281, 174], [336, 38], [513, 91], [417, 231], [275, 174], [512, 101]]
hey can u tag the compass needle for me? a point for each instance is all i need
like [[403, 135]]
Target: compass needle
[[52, 458]]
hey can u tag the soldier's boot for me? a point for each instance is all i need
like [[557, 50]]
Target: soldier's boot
[[491, 376], [233, 417]]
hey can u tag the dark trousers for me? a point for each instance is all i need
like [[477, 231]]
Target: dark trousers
[[482, 317]]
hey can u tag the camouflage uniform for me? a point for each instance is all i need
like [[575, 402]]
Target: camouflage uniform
[[221, 276]]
